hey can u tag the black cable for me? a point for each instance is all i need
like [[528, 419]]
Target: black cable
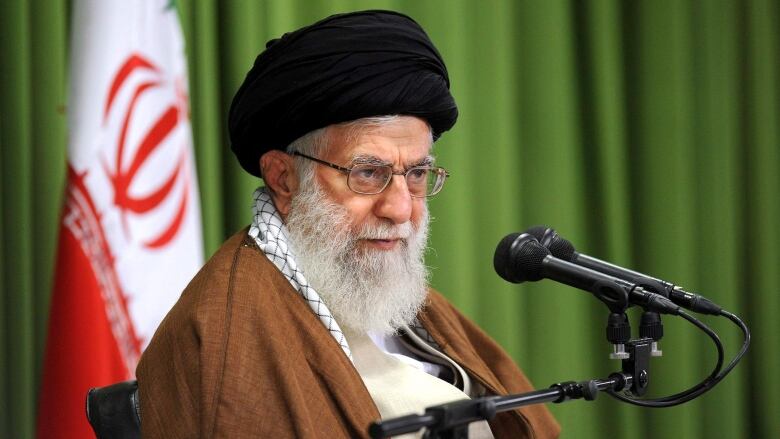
[[707, 383], [692, 392], [745, 344]]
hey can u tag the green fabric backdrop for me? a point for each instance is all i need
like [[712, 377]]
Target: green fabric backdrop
[[645, 132]]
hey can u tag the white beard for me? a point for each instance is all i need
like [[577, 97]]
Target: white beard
[[365, 289]]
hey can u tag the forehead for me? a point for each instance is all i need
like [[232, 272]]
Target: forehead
[[400, 140]]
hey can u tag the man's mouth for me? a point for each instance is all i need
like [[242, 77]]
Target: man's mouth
[[383, 244]]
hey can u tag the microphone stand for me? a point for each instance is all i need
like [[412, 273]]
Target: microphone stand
[[450, 420]]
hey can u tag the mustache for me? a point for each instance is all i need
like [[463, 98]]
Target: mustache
[[386, 231]]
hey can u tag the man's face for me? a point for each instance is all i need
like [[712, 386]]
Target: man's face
[[364, 253], [402, 143]]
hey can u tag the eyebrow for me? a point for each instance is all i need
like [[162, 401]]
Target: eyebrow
[[425, 161], [364, 159]]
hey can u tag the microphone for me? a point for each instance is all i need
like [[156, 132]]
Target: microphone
[[520, 257], [562, 248]]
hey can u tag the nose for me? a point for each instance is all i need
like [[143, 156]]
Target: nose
[[395, 202]]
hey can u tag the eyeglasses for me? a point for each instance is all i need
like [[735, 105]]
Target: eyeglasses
[[370, 179]]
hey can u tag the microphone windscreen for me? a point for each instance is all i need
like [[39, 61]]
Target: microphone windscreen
[[519, 257], [559, 247]]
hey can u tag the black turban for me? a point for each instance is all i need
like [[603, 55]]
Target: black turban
[[342, 68]]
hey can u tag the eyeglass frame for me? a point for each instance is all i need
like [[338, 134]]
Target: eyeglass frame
[[405, 173]]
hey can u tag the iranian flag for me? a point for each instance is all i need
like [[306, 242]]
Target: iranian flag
[[130, 233]]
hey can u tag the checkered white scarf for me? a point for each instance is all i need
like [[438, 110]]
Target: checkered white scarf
[[270, 234]]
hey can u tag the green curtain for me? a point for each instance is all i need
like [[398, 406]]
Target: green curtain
[[646, 132]]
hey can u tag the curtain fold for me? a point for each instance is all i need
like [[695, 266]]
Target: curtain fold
[[644, 132]]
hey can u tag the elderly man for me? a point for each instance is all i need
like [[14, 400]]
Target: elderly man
[[318, 320]]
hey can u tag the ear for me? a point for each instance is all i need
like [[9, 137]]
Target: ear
[[280, 178]]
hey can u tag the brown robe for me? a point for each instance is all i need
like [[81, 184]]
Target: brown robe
[[242, 355]]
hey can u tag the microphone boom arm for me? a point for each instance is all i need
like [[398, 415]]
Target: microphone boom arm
[[450, 420]]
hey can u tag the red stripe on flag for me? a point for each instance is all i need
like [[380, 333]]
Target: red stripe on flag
[[81, 351]]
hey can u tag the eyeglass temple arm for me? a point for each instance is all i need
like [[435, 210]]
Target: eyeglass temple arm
[[323, 162]]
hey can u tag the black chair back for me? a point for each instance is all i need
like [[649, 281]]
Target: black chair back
[[114, 411]]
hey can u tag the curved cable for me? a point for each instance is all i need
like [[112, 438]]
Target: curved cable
[[692, 392], [745, 344]]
